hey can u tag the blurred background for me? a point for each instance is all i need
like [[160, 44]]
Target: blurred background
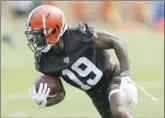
[[139, 24]]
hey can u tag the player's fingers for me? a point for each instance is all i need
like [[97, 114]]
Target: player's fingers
[[40, 89], [33, 90], [45, 88], [47, 92]]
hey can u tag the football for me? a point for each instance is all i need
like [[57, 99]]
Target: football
[[52, 82]]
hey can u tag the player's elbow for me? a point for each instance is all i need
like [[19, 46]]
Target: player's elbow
[[120, 43], [62, 97]]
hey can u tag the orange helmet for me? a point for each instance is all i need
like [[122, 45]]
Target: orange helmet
[[44, 27]]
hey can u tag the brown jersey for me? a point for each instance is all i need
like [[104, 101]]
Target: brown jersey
[[79, 64]]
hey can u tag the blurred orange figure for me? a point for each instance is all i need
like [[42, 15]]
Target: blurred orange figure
[[78, 10], [109, 12], [138, 9], [107, 9]]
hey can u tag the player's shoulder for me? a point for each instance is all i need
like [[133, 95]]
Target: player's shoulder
[[82, 29], [85, 28]]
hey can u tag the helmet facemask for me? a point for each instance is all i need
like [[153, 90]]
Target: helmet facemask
[[37, 40]]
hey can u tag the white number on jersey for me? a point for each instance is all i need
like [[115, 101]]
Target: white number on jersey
[[90, 67]]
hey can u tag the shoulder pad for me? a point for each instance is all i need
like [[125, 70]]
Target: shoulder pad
[[85, 28]]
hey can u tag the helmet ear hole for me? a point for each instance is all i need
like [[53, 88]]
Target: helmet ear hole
[[53, 31]]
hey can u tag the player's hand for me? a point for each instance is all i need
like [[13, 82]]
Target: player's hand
[[128, 86], [40, 97]]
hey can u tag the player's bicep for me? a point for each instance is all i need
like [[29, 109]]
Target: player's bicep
[[104, 40]]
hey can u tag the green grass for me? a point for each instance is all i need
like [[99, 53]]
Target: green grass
[[18, 73]]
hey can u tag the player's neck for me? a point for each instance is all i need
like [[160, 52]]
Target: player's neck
[[59, 46]]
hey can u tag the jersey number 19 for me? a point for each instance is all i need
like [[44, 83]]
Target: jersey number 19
[[90, 67]]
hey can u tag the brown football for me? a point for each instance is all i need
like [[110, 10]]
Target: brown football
[[52, 82]]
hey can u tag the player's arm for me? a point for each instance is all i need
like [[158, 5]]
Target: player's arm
[[104, 40]]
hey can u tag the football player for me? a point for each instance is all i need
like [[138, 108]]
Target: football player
[[79, 56]]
